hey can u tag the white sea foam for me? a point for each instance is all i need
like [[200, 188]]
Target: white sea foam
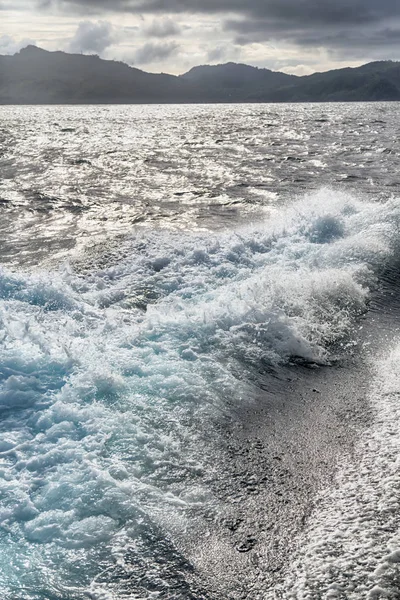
[[106, 406], [352, 546]]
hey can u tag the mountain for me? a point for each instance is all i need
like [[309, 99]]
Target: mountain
[[235, 82], [36, 76], [371, 82]]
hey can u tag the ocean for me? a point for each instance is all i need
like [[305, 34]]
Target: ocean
[[200, 350]]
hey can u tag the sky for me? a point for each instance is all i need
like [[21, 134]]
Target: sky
[[171, 36]]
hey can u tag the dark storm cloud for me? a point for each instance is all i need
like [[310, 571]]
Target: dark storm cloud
[[346, 37], [332, 24], [295, 11]]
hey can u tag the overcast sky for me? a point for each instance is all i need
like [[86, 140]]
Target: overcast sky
[[295, 36]]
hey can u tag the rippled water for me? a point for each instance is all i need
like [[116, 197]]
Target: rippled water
[[157, 264], [73, 173]]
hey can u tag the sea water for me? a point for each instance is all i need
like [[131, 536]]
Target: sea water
[[155, 260]]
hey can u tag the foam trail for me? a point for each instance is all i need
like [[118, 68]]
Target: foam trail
[[352, 549], [111, 381]]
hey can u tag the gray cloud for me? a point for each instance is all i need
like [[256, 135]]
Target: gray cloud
[[322, 11], [342, 28], [155, 52], [9, 45], [92, 37], [330, 37], [329, 24], [223, 53], [15, 5], [162, 28], [216, 54]]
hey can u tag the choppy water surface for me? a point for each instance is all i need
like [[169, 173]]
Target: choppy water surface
[[72, 173], [216, 244]]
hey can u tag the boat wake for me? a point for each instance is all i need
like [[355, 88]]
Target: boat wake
[[115, 381]]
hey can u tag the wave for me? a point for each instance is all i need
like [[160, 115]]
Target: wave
[[112, 379]]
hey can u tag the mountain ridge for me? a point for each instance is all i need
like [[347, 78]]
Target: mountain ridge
[[37, 76]]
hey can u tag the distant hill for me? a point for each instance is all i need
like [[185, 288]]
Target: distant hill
[[36, 76], [236, 82], [377, 81]]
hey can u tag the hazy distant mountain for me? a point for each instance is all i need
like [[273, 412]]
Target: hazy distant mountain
[[371, 82], [35, 76]]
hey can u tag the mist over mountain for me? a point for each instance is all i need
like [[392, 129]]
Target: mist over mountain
[[36, 76]]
